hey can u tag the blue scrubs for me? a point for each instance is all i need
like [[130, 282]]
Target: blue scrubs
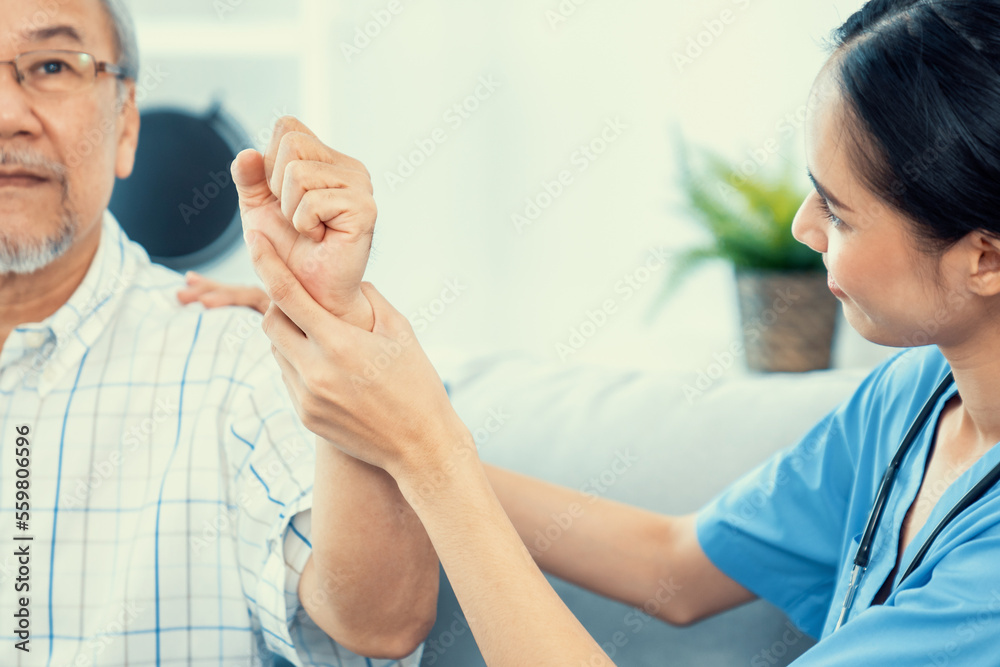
[[788, 531]]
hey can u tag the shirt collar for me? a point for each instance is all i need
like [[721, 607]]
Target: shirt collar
[[59, 342]]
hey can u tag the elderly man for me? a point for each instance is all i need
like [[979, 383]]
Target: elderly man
[[161, 501]]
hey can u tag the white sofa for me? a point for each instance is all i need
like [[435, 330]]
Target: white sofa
[[569, 424]]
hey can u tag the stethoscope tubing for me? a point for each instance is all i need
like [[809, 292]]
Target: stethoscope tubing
[[863, 554], [889, 478]]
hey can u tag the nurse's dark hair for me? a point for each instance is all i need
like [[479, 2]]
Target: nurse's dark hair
[[921, 85]]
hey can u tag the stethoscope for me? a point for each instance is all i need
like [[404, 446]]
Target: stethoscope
[[864, 548]]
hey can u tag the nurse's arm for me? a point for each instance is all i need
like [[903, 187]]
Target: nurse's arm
[[622, 552], [643, 559]]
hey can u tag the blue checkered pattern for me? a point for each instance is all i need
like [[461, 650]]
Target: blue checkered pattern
[[171, 481]]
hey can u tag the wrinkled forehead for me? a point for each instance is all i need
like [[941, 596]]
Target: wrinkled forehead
[[59, 24]]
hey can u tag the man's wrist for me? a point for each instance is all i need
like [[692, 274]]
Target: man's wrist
[[358, 312], [346, 458]]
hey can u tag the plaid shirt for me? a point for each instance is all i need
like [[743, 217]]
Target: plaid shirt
[[169, 482]]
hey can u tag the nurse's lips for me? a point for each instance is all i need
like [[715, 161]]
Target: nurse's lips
[[832, 284]]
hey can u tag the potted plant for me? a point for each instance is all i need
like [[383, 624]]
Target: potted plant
[[787, 312]]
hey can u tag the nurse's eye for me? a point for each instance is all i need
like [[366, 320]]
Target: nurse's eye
[[825, 207]]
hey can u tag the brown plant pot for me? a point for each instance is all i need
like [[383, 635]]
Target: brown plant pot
[[788, 320]]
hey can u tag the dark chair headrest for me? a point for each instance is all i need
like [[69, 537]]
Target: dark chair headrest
[[180, 203]]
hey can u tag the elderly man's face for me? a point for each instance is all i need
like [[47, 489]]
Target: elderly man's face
[[59, 153]]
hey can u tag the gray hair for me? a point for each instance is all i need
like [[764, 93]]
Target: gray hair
[[126, 45]]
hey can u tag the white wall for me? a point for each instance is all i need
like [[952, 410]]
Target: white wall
[[555, 86]]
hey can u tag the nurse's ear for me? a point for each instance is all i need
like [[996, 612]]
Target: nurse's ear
[[984, 263]]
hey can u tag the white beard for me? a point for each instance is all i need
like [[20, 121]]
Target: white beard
[[28, 256]]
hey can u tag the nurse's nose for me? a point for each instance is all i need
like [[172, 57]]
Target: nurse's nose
[[808, 226]]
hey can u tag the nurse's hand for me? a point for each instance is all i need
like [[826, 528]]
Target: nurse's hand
[[374, 394], [316, 207], [213, 294]]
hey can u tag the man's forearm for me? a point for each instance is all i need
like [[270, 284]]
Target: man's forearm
[[372, 580]]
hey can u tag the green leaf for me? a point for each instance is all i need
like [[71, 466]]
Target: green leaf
[[748, 218]]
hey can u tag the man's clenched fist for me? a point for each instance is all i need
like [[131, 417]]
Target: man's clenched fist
[[315, 206]]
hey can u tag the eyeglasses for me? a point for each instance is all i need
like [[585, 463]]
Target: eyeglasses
[[60, 71]]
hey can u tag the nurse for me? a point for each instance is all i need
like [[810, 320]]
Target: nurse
[[903, 148]]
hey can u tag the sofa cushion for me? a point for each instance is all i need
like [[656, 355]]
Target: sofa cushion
[[663, 441]]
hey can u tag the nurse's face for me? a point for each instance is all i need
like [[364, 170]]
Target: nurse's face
[[892, 293]]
